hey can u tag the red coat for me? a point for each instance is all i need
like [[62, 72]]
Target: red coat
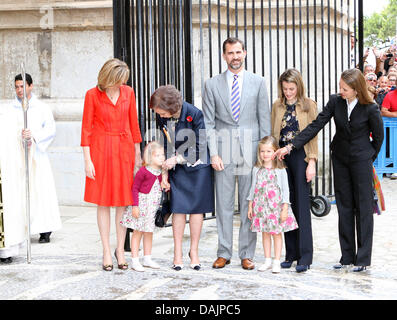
[[111, 132], [143, 183]]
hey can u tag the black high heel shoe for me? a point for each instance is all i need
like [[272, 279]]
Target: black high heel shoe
[[123, 266], [286, 264], [359, 268], [302, 268], [195, 266]]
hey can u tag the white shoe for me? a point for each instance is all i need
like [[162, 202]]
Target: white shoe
[[266, 265], [148, 262], [276, 266], [393, 176], [136, 265]]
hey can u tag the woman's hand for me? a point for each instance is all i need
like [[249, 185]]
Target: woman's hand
[[165, 185], [311, 170], [170, 163], [280, 153], [135, 212], [90, 169], [284, 213], [138, 157]]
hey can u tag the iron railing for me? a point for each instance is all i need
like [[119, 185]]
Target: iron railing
[[179, 42]]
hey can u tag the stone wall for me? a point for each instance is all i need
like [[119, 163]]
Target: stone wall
[[63, 45]]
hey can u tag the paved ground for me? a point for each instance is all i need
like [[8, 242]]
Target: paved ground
[[70, 267]]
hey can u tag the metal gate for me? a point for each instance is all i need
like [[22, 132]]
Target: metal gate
[[179, 42]]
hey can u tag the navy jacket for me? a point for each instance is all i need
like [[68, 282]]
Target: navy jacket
[[191, 143]]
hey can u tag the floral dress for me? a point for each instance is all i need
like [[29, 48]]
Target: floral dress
[[267, 205], [148, 205]]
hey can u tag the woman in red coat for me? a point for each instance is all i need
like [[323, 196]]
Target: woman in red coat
[[110, 138]]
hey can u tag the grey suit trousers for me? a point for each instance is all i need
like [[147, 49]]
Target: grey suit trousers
[[225, 190]]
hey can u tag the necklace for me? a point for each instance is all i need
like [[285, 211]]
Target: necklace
[[112, 96]]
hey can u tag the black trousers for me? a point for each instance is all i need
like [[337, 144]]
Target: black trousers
[[299, 242], [354, 200]]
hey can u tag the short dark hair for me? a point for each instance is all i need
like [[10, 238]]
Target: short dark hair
[[28, 78], [232, 40], [167, 98]]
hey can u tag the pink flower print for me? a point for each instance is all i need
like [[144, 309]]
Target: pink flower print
[[271, 194], [289, 221], [256, 190], [260, 209], [272, 217], [256, 223], [271, 176], [275, 205]]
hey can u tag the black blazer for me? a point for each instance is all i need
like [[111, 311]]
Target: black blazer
[[352, 138]]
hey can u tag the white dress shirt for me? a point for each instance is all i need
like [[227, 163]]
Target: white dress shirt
[[350, 107]]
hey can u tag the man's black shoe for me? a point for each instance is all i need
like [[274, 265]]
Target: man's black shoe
[[6, 260], [44, 237]]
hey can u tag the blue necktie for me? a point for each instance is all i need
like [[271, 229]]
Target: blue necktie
[[235, 100]]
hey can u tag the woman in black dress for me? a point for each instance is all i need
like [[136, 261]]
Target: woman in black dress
[[190, 173]]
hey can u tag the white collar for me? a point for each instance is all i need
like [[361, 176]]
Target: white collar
[[18, 102], [352, 104], [230, 74]]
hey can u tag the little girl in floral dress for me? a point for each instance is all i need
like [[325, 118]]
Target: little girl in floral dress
[[146, 193], [268, 207]]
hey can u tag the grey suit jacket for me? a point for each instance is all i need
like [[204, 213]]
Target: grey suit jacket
[[226, 137]]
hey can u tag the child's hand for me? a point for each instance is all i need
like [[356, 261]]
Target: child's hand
[[284, 214], [135, 212], [250, 210], [250, 214]]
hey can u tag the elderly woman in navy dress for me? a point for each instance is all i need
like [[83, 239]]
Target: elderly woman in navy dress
[[190, 172]]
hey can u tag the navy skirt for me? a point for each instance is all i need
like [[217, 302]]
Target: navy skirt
[[192, 191]]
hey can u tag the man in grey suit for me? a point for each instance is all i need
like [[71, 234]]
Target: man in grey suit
[[237, 115]]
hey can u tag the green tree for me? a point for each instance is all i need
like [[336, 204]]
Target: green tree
[[379, 27]]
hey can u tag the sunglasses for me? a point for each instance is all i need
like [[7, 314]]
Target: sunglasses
[[372, 79], [392, 79]]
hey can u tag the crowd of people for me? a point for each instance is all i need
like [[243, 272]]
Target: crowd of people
[[381, 78], [269, 150]]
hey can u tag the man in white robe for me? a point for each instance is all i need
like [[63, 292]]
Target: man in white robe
[[44, 210]]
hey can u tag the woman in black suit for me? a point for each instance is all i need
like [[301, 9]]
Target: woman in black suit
[[190, 172], [356, 116]]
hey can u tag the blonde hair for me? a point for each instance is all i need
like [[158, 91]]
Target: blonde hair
[[292, 75], [148, 151], [112, 73], [273, 142]]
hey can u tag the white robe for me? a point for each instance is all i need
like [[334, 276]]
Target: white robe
[[44, 210]]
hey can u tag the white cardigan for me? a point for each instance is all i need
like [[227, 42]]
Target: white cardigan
[[282, 181]]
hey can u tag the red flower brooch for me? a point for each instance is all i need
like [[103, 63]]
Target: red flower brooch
[[189, 119]]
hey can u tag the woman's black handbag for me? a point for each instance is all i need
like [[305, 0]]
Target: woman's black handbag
[[163, 212]]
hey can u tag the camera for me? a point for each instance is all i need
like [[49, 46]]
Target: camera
[[389, 55]]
